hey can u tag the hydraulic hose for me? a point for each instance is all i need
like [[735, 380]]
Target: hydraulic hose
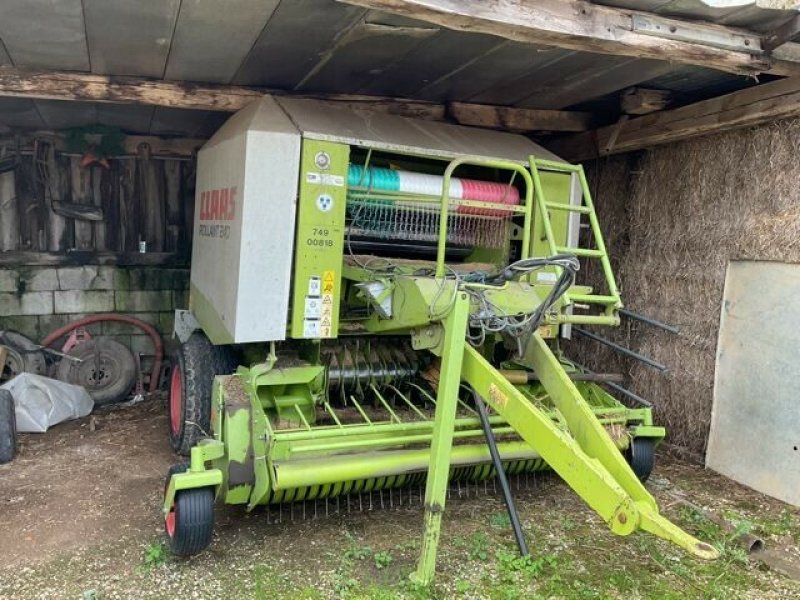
[[501, 475]]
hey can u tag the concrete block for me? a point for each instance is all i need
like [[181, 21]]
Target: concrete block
[[36, 279], [30, 303], [9, 280], [49, 323], [166, 324], [86, 301], [143, 301], [151, 278], [27, 325], [180, 299], [87, 277], [112, 327]]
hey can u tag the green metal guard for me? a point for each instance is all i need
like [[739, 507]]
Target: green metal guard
[[610, 303], [505, 165]]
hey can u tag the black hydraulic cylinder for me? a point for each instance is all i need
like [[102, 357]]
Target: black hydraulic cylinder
[[501, 475]]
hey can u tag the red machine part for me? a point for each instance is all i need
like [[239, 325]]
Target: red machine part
[[158, 345]]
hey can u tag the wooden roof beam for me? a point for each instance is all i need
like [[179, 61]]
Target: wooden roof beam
[[751, 106], [230, 98], [518, 119], [584, 26]]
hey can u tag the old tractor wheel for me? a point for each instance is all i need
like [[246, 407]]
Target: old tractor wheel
[[190, 522], [641, 456], [194, 366], [106, 369], [8, 428], [24, 356]]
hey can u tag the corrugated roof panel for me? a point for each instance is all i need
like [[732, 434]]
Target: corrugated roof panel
[[294, 41], [207, 47], [130, 38], [361, 55], [44, 34], [432, 59]]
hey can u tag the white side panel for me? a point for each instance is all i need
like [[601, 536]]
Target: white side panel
[[267, 239], [243, 247], [215, 249], [755, 422]]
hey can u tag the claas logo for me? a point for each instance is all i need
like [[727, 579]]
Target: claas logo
[[218, 205]]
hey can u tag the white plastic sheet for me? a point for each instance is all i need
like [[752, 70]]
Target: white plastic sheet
[[41, 402]]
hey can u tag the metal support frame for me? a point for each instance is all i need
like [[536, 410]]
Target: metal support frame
[[455, 327]]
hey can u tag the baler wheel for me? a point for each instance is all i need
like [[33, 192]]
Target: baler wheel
[[641, 456], [8, 427], [194, 366], [190, 523]]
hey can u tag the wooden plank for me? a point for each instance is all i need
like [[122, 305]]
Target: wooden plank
[[172, 196], [642, 101], [585, 26], [519, 119], [30, 210], [98, 227], [110, 197], [744, 108], [133, 90], [782, 34], [151, 173], [9, 213], [81, 187], [52, 190]]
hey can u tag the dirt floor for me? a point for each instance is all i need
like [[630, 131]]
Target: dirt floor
[[80, 518]]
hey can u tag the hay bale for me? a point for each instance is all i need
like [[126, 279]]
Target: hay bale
[[675, 216]]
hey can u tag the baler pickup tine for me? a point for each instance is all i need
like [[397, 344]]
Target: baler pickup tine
[[360, 410], [332, 413], [302, 417], [428, 397], [409, 403], [385, 404]]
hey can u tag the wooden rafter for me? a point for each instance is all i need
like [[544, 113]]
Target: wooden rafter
[[744, 108], [585, 26], [230, 98], [518, 119]]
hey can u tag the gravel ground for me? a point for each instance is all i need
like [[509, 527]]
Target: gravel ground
[[81, 519]]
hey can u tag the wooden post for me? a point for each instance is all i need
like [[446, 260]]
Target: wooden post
[[9, 213], [81, 188]]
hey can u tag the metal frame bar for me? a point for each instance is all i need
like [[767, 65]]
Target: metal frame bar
[[504, 165]]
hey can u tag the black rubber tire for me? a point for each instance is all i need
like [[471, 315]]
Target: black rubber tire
[[641, 456], [8, 428], [24, 355], [193, 525], [108, 370], [196, 362]]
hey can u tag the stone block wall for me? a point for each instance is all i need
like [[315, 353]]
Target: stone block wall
[[37, 300]]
